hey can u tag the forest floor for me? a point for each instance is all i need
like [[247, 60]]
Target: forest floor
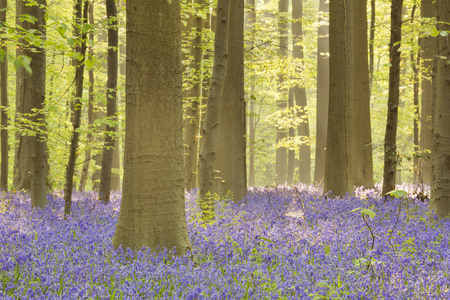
[[283, 243]]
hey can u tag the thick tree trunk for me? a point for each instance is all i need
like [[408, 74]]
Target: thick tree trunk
[[281, 152], [427, 44], [208, 146], [4, 103], [361, 132], [323, 86], [336, 162], [440, 183], [390, 140], [300, 97], [231, 151], [193, 110], [111, 98], [81, 18], [87, 155], [22, 162], [152, 212]]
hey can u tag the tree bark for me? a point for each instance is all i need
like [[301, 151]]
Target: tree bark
[[281, 152], [231, 150], [361, 132], [250, 23], [371, 41], [111, 98], [208, 146], [300, 96], [87, 155], [22, 162], [81, 18], [390, 140], [152, 212], [427, 44], [336, 161], [323, 86], [291, 132], [4, 103], [440, 183], [193, 110], [37, 86]]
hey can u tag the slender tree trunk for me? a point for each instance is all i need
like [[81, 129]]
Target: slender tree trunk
[[427, 44], [336, 162], [208, 146], [390, 140], [323, 86], [300, 97], [361, 132], [111, 98], [250, 23], [371, 41], [193, 110], [152, 212], [291, 132], [79, 72], [87, 155], [38, 143], [440, 184], [22, 163], [231, 151], [4, 103], [281, 152], [415, 61]]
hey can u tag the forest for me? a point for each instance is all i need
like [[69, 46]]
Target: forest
[[224, 149]]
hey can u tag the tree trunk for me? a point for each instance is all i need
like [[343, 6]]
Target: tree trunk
[[361, 132], [281, 152], [111, 98], [208, 146], [37, 86], [4, 103], [440, 184], [99, 113], [323, 86], [231, 150], [291, 131], [22, 163], [371, 41], [87, 155], [300, 96], [415, 61], [81, 18], [427, 44], [390, 140], [152, 212], [336, 161], [250, 23], [193, 110]]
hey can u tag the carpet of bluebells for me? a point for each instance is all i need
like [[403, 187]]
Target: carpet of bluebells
[[283, 243]]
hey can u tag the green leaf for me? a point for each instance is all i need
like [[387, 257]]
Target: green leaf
[[398, 193], [369, 212], [89, 63], [71, 42], [266, 239], [327, 249], [356, 209], [443, 33]]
